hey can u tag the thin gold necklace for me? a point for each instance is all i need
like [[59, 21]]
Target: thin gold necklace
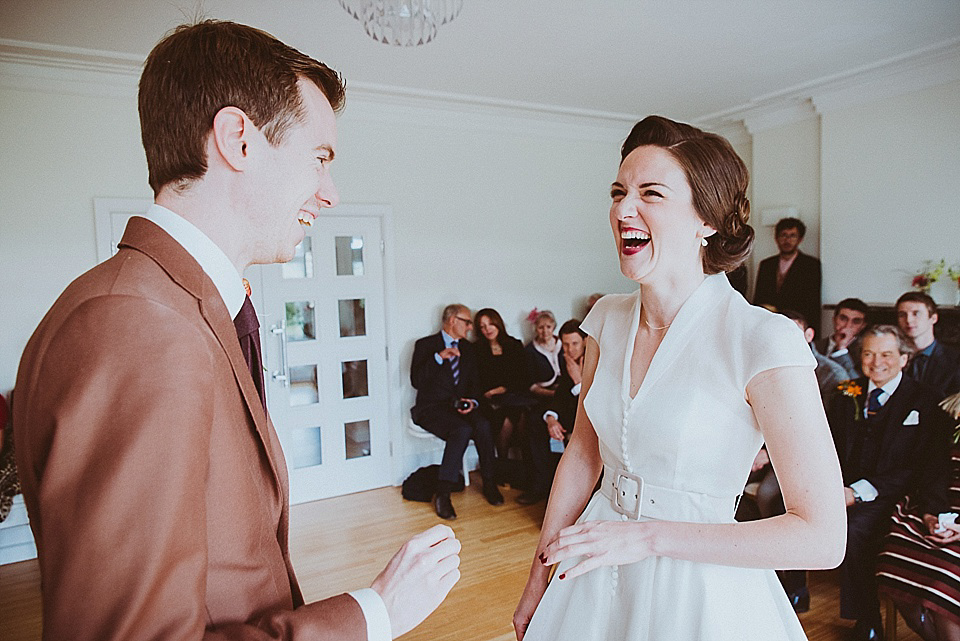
[[647, 323]]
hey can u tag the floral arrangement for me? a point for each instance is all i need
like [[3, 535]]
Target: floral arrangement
[[852, 389], [953, 272], [930, 274], [532, 316]]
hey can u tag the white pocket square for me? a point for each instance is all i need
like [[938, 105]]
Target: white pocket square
[[913, 418]]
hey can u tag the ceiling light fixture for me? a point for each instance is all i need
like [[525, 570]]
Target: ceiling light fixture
[[403, 23]]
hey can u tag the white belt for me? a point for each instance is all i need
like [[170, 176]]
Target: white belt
[[632, 497]]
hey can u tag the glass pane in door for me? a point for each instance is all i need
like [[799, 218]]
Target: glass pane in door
[[353, 321], [349, 250], [301, 266], [357, 435], [305, 447], [301, 325], [354, 378], [303, 385]]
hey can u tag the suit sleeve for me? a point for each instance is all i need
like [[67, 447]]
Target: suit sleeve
[[424, 369], [121, 436], [936, 475]]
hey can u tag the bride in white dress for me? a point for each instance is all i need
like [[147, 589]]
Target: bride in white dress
[[682, 383]]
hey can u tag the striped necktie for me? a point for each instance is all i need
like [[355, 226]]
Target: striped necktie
[[873, 403], [455, 364]]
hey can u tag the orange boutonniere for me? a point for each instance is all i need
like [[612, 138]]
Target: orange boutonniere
[[852, 390]]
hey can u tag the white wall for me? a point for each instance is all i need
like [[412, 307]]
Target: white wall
[[786, 173], [489, 209], [891, 171]]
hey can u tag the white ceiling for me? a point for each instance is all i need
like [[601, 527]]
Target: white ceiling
[[682, 58]]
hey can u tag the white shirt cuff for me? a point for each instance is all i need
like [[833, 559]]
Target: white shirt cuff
[[550, 413], [436, 357], [865, 490], [839, 352], [375, 613], [575, 390]]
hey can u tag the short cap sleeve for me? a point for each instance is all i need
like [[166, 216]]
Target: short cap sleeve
[[776, 341], [593, 324]]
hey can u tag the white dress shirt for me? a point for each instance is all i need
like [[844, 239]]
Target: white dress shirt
[[229, 284]]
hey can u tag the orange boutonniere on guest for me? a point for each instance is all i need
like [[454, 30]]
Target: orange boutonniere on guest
[[853, 390]]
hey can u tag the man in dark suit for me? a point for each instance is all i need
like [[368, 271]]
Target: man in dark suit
[[554, 418], [884, 425], [842, 346], [444, 373], [152, 474], [791, 279], [934, 363]]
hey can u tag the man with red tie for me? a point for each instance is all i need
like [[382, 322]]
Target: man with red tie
[[152, 474]]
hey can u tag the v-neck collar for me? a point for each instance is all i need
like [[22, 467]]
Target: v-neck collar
[[704, 297]]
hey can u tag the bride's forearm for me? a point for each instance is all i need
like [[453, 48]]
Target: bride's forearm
[[781, 542], [572, 487]]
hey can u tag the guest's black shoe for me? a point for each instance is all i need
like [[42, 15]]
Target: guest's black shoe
[[443, 507], [867, 631], [800, 600], [531, 497], [492, 494]]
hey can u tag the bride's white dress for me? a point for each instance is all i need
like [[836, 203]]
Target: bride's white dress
[[691, 437]]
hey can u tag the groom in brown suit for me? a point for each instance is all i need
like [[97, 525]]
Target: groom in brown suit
[[154, 480]]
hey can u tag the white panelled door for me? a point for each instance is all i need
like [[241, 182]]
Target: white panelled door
[[323, 331]]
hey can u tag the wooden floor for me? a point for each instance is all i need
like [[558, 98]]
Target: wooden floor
[[342, 543]]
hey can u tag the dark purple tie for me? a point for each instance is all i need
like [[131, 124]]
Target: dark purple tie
[[248, 331]]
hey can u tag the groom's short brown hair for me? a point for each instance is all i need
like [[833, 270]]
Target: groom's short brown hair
[[197, 70]]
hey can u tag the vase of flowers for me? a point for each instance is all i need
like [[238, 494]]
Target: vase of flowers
[[928, 275], [953, 272]]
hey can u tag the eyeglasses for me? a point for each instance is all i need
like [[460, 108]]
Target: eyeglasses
[[465, 320]]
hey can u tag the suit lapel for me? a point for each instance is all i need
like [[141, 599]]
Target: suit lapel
[[145, 236]]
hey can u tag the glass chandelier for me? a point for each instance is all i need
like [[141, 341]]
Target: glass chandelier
[[403, 23]]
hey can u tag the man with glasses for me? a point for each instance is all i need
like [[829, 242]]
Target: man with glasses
[[444, 373]]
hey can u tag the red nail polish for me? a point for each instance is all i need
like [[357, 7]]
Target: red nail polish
[[563, 576]]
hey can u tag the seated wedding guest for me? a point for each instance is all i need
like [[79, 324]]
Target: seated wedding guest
[[768, 498], [934, 363], [849, 319], [883, 424], [9, 481], [444, 373], [544, 354], [918, 568], [557, 413], [504, 379], [791, 279]]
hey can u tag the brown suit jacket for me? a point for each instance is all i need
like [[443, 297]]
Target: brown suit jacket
[[154, 481]]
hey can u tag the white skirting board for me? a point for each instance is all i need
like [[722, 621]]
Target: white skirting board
[[16, 539]]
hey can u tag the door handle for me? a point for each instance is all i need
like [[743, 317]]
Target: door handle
[[281, 375]]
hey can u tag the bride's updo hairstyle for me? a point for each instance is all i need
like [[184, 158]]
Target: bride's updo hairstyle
[[718, 179]]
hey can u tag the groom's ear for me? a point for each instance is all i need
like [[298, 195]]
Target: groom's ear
[[232, 138]]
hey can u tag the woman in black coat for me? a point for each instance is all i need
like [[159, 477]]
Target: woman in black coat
[[504, 378]]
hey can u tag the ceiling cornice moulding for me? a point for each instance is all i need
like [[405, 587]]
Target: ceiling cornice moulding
[[914, 71], [55, 69]]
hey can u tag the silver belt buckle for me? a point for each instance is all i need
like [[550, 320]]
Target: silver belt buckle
[[628, 488]]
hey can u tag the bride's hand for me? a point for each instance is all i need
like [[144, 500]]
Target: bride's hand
[[532, 593], [600, 543]]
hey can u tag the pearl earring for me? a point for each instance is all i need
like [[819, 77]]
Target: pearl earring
[[703, 241]]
